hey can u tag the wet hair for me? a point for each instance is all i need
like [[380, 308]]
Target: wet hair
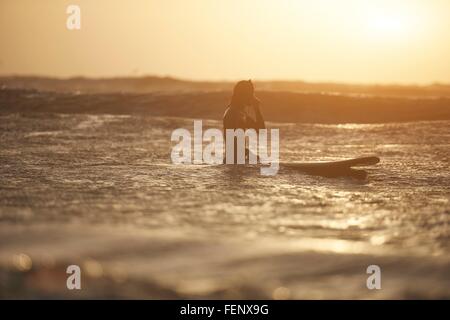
[[243, 92]]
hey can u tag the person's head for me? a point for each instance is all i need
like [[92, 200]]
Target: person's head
[[243, 94]]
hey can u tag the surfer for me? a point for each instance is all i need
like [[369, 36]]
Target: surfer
[[243, 111]]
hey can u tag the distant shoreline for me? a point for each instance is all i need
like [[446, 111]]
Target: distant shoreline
[[147, 84], [277, 106]]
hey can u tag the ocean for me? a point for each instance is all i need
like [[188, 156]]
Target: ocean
[[99, 190]]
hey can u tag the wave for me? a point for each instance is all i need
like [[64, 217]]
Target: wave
[[277, 106]]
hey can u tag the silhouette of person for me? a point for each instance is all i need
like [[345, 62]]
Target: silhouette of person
[[243, 111]]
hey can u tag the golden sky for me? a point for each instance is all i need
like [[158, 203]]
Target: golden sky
[[377, 41]]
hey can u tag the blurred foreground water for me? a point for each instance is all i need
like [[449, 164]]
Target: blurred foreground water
[[100, 191]]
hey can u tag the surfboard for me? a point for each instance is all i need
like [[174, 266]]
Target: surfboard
[[363, 161], [333, 168]]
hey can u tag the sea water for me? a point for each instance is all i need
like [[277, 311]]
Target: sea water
[[100, 191]]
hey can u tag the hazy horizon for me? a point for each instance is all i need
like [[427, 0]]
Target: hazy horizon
[[373, 42], [176, 78]]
